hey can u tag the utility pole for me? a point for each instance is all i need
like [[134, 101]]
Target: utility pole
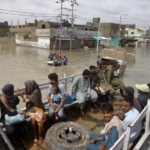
[[60, 33], [98, 35], [119, 31], [121, 17], [73, 2]]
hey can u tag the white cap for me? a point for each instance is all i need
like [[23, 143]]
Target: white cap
[[142, 87]]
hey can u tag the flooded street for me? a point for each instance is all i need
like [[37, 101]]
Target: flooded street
[[20, 63]]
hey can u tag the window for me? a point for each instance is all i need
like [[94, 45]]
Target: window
[[90, 29], [132, 32], [86, 29], [43, 26], [114, 32]]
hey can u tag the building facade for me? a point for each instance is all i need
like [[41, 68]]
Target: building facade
[[112, 30], [128, 27], [136, 33], [4, 28]]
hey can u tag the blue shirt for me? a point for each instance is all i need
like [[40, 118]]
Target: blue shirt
[[56, 98], [130, 117], [109, 142]]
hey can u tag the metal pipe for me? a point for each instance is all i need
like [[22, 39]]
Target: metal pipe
[[60, 26], [65, 76], [98, 35], [5, 138], [119, 31], [71, 25]]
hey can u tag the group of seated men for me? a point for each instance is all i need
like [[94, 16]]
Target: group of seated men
[[101, 80], [118, 121], [96, 81]]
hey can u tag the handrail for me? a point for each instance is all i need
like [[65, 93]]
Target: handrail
[[7, 141], [119, 144], [45, 85], [142, 142], [139, 119], [124, 139]]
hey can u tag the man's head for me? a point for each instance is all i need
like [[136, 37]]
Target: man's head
[[107, 110], [142, 88], [128, 91], [86, 74], [53, 78], [127, 104], [8, 90], [115, 64], [92, 69]]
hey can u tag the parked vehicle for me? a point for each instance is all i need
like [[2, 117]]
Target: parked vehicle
[[120, 67]]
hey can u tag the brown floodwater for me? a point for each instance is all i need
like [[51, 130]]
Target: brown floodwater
[[21, 63]]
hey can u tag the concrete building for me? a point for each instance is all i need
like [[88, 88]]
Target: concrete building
[[4, 28], [128, 27], [136, 33], [112, 30], [45, 34], [89, 26]]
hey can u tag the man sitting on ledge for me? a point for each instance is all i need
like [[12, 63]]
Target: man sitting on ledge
[[82, 91], [111, 132]]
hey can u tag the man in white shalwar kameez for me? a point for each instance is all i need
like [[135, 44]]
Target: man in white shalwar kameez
[[82, 91]]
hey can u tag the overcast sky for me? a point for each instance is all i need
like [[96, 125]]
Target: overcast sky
[[108, 10]]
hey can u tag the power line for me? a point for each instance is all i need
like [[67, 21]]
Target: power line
[[26, 12], [7, 13]]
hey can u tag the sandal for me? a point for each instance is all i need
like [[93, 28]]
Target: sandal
[[23, 144], [36, 142], [40, 140]]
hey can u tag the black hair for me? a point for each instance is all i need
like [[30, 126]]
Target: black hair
[[56, 88], [129, 100], [92, 67], [86, 72], [108, 107], [148, 85], [53, 76]]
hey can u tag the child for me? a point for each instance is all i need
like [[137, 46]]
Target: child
[[56, 98]]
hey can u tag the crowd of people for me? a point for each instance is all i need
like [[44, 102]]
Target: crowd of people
[[95, 83], [58, 59]]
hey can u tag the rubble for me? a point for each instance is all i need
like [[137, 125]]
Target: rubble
[[86, 48], [118, 53]]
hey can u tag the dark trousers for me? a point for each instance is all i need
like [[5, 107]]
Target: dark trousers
[[15, 131]]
